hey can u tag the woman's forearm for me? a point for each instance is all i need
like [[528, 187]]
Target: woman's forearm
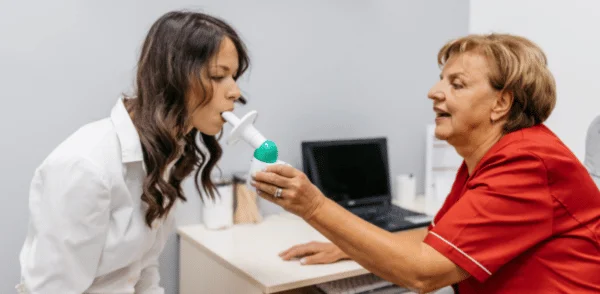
[[417, 234], [394, 257]]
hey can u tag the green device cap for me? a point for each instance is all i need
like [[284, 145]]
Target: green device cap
[[267, 152]]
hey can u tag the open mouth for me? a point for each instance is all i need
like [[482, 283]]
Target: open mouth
[[442, 114]]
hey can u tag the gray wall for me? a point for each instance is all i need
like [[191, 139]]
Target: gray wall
[[321, 70]]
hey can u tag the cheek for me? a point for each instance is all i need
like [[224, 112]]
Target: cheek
[[471, 116], [202, 113], [462, 115], [199, 116], [207, 115]]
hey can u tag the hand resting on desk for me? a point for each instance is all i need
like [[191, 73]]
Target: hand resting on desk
[[325, 252], [314, 253]]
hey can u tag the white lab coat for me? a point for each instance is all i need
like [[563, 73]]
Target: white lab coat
[[87, 232]]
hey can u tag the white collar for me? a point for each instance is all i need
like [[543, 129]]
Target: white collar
[[131, 147]]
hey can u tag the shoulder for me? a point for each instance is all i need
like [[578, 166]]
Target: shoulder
[[530, 153], [90, 149], [517, 157], [536, 143], [74, 179]]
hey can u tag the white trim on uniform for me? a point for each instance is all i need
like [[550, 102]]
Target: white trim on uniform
[[463, 253]]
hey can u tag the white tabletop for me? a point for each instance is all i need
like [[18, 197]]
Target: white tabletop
[[252, 250]]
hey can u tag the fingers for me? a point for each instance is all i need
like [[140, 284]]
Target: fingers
[[266, 189], [319, 258], [289, 250], [284, 170], [268, 197], [310, 253], [272, 179], [299, 251]]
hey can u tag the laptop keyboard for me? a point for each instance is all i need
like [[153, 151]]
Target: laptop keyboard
[[368, 283], [394, 218]]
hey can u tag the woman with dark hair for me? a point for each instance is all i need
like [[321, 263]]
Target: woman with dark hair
[[100, 203]]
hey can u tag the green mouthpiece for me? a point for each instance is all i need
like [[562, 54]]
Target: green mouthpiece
[[267, 152]]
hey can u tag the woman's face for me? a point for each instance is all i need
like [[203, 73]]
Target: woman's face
[[218, 75], [463, 99]]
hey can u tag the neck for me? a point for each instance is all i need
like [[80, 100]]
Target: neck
[[476, 147]]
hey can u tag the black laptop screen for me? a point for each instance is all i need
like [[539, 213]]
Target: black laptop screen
[[351, 171]]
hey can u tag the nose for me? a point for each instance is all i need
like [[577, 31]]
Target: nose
[[234, 92], [436, 92]]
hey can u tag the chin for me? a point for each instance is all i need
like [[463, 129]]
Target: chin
[[210, 128], [209, 131], [441, 137], [441, 134]]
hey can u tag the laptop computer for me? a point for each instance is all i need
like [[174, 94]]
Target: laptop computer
[[355, 174]]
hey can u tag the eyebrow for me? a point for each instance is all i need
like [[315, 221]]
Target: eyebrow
[[454, 75]]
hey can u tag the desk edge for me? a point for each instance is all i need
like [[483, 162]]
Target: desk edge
[[221, 261]]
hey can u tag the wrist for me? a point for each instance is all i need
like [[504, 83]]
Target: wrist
[[342, 254], [319, 203]]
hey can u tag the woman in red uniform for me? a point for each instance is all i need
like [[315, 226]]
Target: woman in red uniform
[[523, 215]]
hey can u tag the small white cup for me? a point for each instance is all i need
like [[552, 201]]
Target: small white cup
[[217, 214], [405, 190]]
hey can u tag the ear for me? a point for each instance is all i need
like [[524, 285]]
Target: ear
[[502, 106]]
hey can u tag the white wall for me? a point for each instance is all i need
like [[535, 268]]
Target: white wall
[[321, 70], [568, 31]]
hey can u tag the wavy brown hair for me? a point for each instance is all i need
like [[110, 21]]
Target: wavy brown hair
[[176, 49]]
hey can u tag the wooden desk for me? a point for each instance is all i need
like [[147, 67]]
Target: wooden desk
[[244, 258]]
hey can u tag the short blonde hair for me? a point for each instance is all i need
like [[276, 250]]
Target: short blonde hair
[[517, 66]]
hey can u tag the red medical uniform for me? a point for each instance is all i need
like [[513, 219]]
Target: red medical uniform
[[526, 221]]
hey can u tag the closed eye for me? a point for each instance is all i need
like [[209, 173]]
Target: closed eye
[[457, 86]]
